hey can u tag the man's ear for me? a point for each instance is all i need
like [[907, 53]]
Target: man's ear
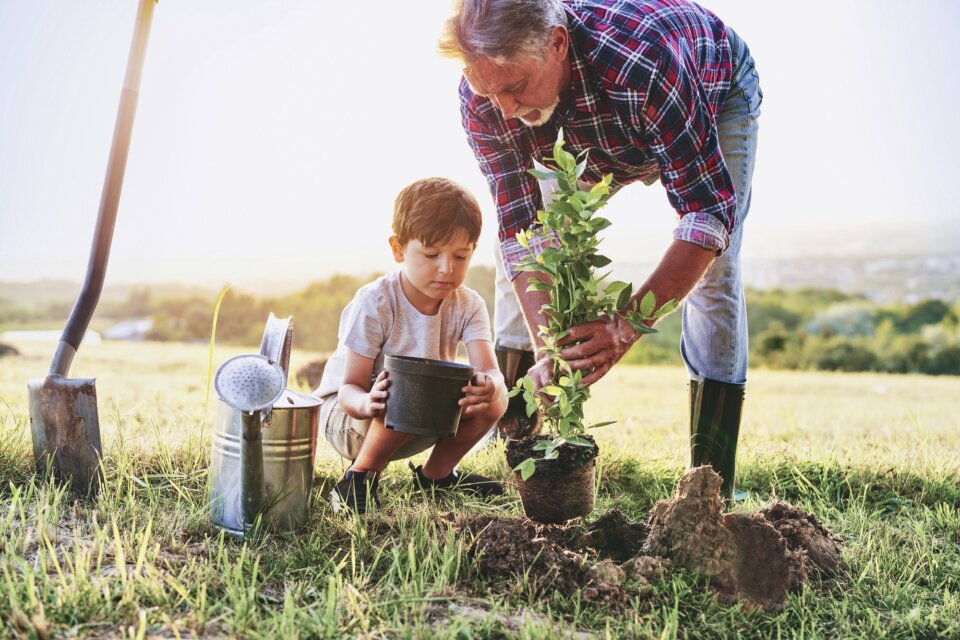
[[397, 248], [559, 41]]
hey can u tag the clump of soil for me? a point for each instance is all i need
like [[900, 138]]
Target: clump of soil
[[571, 456], [802, 531], [765, 569], [504, 547], [689, 529], [757, 558]]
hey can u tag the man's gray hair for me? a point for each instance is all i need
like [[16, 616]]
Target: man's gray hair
[[501, 30]]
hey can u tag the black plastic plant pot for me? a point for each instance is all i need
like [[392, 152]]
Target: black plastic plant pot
[[424, 395]]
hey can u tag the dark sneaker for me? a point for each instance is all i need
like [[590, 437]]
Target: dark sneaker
[[355, 491], [457, 481]]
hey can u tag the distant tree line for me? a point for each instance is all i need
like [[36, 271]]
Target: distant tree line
[[829, 330], [815, 329]]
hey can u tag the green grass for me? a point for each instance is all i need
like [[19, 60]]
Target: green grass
[[875, 456]]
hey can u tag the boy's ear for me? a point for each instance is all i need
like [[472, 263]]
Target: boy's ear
[[397, 248]]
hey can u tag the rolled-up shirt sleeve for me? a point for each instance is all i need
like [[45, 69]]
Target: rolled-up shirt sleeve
[[504, 158], [678, 123]]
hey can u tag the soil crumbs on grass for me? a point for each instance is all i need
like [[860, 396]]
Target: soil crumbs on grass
[[756, 558]]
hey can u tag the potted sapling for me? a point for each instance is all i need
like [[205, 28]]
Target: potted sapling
[[555, 471]]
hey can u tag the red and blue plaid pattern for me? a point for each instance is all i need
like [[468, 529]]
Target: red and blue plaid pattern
[[647, 80]]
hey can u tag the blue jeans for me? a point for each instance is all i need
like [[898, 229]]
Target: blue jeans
[[714, 341]]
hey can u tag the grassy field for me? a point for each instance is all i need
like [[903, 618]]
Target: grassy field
[[877, 457]]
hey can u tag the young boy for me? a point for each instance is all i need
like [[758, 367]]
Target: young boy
[[421, 310]]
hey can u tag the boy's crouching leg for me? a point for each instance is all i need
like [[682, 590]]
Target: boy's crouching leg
[[448, 452]]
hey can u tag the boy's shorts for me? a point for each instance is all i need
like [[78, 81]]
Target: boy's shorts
[[346, 434]]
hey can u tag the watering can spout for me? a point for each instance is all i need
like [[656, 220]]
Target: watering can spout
[[251, 466]]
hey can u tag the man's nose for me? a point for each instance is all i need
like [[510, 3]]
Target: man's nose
[[507, 104]]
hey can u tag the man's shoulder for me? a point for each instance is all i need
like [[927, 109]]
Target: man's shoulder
[[621, 40]]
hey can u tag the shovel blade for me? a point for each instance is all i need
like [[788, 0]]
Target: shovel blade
[[65, 427]]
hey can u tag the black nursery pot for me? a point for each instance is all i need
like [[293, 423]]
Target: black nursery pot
[[424, 395]]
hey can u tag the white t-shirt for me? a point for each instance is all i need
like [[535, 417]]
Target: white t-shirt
[[380, 321]]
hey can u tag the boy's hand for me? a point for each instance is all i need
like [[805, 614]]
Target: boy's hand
[[376, 404], [481, 392]]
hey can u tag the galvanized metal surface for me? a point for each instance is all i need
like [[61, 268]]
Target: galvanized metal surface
[[288, 445], [250, 382], [277, 341]]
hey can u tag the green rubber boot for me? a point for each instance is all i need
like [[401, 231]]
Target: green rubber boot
[[715, 410]]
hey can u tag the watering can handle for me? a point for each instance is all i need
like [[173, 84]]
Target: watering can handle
[[109, 200], [277, 341]]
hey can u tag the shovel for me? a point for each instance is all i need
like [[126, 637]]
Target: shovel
[[63, 411]]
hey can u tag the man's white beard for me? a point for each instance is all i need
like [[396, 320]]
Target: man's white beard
[[545, 114]]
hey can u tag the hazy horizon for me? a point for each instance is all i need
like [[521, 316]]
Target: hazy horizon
[[268, 146]]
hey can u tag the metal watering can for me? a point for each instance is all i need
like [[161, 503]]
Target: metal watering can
[[264, 440]]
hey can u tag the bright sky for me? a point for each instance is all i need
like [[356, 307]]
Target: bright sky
[[272, 137]]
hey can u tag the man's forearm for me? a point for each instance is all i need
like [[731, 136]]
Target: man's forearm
[[678, 272]]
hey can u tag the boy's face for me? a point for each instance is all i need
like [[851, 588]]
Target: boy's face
[[433, 272]]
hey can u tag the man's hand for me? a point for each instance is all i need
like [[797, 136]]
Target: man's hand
[[375, 405], [542, 374], [481, 392], [599, 345]]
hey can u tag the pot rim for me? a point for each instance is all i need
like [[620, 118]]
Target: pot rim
[[412, 365]]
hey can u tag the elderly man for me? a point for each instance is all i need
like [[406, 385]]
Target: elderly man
[[655, 89]]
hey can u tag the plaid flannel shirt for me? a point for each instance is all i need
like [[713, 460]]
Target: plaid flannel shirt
[[647, 80]]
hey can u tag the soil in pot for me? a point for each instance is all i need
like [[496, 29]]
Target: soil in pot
[[425, 395], [562, 488]]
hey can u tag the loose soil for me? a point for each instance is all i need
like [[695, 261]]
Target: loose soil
[[503, 547], [756, 559]]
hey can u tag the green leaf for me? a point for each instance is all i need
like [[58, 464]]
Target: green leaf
[[600, 261], [544, 175], [521, 237], [581, 167], [544, 445], [578, 441], [552, 390], [526, 468], [601, 424], [667, 307], [624, 298], [647, 304], [562, 207], [564, 405]]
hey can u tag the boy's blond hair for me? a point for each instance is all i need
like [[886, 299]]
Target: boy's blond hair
[[433, 210]]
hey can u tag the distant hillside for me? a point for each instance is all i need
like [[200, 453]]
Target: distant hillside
[[41, 293]]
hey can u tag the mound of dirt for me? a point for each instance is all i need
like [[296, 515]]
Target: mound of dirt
[[802, 531], [757, 559], [505, 547], [689, 530]]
